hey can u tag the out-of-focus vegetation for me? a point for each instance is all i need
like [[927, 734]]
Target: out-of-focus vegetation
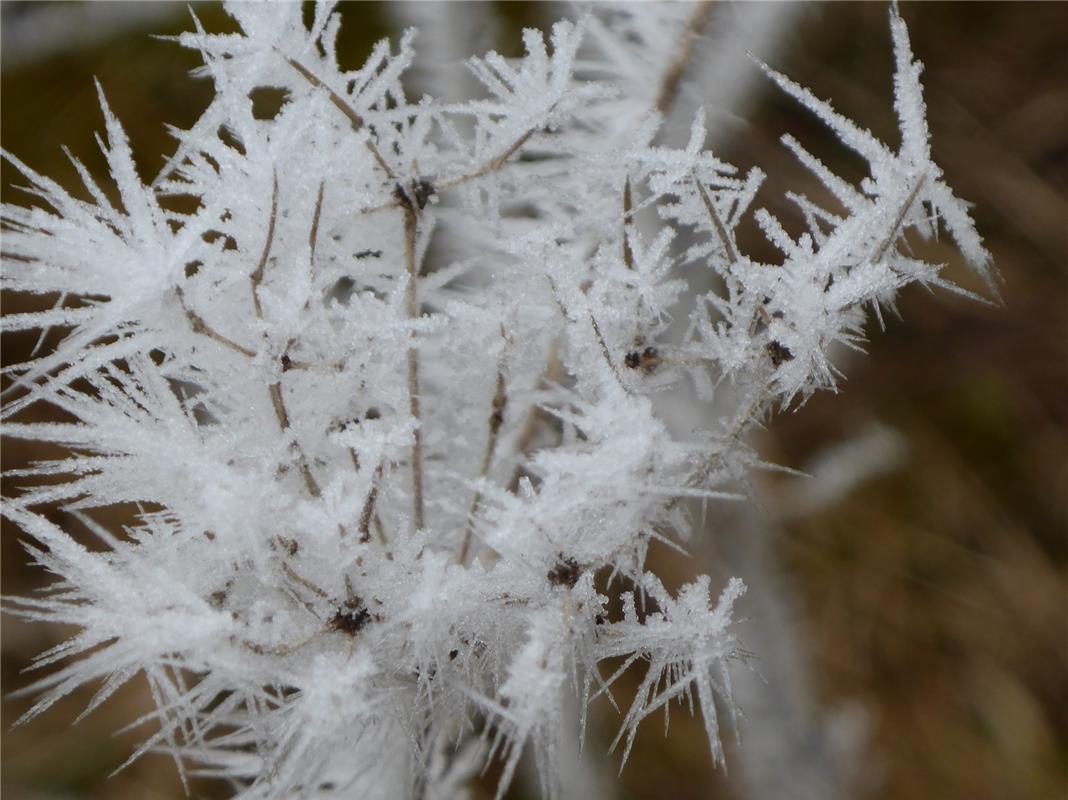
[[936, 596]]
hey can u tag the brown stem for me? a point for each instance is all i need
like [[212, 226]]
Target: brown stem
[[669, 84], [200, 326], [343, 106], [717, 222], [313, 237], [492, 165], [892, 235], [607, 355], [257, 275], [741, 422], [313, 234], [368, 511], [275, 388], [496, 417], [536, 416], [412, 305]]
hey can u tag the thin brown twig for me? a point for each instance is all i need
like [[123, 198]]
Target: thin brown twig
[[597, 332], [257, 275], [368, 511], [496, 417], [669, 84], [892, 234], [275, 388], [412, 305], [717, 222], [741, 422], [492, 165], [345, 108], [307, 584], [313, 236], [535, 415], [201, 327], [607, 355], [495, 163]]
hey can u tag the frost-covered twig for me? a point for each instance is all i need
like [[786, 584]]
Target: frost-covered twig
[[296, 659]]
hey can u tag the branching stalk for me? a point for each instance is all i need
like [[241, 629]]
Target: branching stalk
[[278, 402], [345, 108]]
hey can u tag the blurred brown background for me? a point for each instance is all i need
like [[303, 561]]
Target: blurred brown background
[[935, 597]]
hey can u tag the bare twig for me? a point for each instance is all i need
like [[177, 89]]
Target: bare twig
[[412, 305], [307, 584], [892, 234], [313, 234], [536, 415], [313, 237], [345, 108], [496, 417], [596, 331], [200, 326], [492, 165], [717, 222], [669, 84], [607, 355], [257, 275], [275, 388], [363, 528]]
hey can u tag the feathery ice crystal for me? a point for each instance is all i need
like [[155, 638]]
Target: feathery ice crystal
[[381, 374]]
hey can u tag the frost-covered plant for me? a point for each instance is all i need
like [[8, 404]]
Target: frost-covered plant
[[381, 373]]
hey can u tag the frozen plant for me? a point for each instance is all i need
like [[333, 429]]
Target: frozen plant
[[380, 374]]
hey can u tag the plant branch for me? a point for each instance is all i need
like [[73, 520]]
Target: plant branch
[[607, 355], [412, 307], [363, 528], [496, 417], [717, 222], [201, 327], [492, 165], [669, 84], [275, 388], [344, 107], [894, 231]]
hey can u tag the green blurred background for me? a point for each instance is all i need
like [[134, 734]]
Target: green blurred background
[[935, 596]]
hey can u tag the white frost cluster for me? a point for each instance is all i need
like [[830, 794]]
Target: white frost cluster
[[396, 495]]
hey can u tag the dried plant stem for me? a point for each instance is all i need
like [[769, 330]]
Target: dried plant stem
[[201, 327], [363, 528], [313, 237], [492, 165], [607, 354], [892, 234], [496, 417], [345, 108], [275, 389], [717, 223], [761, 398], [669, 84], [535, 415], [412, 306], [257, 275], [313, 234]]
